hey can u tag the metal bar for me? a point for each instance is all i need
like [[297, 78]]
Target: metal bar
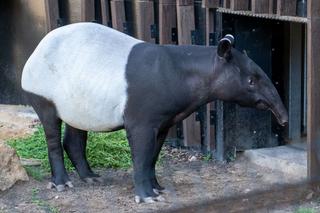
[[265, 16], [295, 69]]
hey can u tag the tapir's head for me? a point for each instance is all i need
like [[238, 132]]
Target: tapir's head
[[240, 80]]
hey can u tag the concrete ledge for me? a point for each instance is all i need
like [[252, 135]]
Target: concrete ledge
[[290, 160]]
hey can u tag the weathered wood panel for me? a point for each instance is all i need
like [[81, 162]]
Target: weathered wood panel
[[313, 84], [260, 6], [143, 19], [52, 14], [210, 3], [185, 2], [239, 4], [105, 12], [87, 10], [167, 21], [186, 24], [118, 14], [226, 3], [286, 7]]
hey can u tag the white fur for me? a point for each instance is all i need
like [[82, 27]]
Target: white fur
[[81, 69]]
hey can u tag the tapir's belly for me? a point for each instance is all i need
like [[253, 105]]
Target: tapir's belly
[[81, 69], [97, 105]]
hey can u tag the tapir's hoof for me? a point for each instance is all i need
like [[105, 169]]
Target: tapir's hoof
[[60, 187], [92, 180], [139, 199]]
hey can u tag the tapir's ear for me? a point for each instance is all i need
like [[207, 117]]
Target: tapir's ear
[[224, 46]]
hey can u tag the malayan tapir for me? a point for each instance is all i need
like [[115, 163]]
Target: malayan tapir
[[95, 78]]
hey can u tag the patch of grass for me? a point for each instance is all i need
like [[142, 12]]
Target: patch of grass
[[42, 203], [103, 150], [305, 210], [207, 157]]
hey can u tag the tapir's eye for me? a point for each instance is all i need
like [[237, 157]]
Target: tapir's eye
[[251, 82]]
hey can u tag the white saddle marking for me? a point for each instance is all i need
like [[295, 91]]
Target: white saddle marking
[[81, 69]]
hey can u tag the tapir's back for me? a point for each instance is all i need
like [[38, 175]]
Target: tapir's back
[[81, 69]]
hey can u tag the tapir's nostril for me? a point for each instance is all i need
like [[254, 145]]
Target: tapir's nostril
[[284, 123]]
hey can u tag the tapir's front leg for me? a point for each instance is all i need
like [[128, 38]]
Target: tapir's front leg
[[142, 143], [160, 140]]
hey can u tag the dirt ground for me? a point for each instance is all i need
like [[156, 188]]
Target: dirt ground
[[188, 178]]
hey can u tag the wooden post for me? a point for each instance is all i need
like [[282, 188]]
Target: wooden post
[[87, 10], [105, 12], [210, 130], [118, 14], [186, 24], [260, 6], [313, 84], [239, 4], [52, 14], [143, 19], [286, 7], [167, 21]]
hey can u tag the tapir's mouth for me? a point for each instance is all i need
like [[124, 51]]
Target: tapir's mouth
[[263, 105]]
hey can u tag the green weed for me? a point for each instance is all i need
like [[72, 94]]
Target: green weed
[[42, 203], [305, 210], [103, 150]]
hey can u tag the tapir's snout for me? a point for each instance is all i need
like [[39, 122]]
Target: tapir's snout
[[280, 113]]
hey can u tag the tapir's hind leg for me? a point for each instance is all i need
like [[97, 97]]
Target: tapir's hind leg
[[74, 143], [52, 128]]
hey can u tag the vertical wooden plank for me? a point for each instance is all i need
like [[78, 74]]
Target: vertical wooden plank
[[210, 3], [260, 6], [239, 4], [87, 10], [52, 14], [185, 21], [186, 24], [210, 130], [105, 12], [167, 21], [286, 7], [313, 84], [271, 5], [226, 3], [118, 14], [143, 19]]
